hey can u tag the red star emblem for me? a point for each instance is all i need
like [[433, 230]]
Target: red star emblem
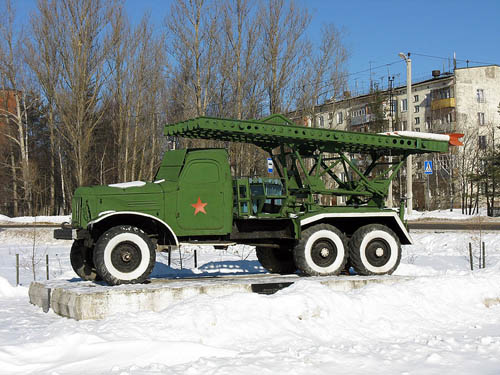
[[199, 207]]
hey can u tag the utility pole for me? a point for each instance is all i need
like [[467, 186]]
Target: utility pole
[[390, 81], [409, 127]]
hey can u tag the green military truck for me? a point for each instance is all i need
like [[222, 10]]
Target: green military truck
[[118, 229]]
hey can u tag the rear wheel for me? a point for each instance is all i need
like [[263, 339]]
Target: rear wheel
[[124, 255], [321, 251], [276, 260], [374, 249]]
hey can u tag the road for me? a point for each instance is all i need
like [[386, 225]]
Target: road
[[454, 225]]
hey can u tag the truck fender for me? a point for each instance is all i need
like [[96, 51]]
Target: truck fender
[[109, 214], [390, 219]]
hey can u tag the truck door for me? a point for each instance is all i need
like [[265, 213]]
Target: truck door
[[200, 199]]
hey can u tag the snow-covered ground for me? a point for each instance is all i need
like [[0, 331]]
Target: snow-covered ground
[[455, 214], [435, 324], [34, 220]]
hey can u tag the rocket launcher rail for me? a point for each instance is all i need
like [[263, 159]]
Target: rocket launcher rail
[[277, 130], [328, 151]]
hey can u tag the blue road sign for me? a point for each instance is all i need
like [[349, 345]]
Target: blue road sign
[[270, 165], [428, 166]]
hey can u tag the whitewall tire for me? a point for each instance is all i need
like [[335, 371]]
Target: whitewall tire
[[374, 249], [124, 255], [321, 251]]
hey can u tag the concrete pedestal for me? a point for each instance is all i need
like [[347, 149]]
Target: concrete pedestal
[[82, 300]]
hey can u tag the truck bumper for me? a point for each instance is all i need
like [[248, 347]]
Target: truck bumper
[[65, 234]]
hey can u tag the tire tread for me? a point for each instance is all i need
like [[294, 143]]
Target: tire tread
[[269, 259]]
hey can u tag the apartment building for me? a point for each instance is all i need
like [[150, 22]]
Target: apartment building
[[466, 100]]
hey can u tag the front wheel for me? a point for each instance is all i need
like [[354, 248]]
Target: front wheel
[[124, 255], [321, 251], [374, 249]]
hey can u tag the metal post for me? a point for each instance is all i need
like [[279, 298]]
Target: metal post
[[409, 127], [409, 161], [195, 258], [169, 257], [470, 257], [484, 256], [17, 269], [47, 265], [480, 261]]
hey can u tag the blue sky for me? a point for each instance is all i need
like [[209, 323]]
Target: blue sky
[[377, 30]]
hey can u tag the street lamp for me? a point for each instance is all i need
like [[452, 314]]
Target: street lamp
[[409, 127]]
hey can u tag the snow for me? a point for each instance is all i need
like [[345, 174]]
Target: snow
[[125, 185], [7, 290], [36, 219], [438, 323], [455, 214]]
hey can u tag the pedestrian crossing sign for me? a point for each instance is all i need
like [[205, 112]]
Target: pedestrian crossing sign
[[270, 165], [428, 167]]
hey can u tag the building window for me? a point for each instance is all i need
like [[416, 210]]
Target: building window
[[415, 98], [428, 123], [321, 122], [480, 118], [449, 117], [330, 115], [404, 105], [417, 129], [417, 109], [340, 118], [417, 120], [482, 142], [444, 93], [405, 125], [480, 95]]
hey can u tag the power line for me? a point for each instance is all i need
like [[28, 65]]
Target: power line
[[448, 58], [374, 68]]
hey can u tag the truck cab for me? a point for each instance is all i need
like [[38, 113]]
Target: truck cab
[[119, 227], [198, 192]]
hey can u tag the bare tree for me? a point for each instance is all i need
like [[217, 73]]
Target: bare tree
[[241, 36], [41, 56], [135, 96], [325, 74], [242, 70], [468, 167], [193, 27], [15, 83], [284, 47], [80, 28]]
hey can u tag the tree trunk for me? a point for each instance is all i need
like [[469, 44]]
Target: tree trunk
[[14, 185]]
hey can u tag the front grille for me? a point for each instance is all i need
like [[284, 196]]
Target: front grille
[[77, 210]]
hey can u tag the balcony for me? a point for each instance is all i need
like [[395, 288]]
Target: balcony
[[443, 103], [363, 119], [444, 128]]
